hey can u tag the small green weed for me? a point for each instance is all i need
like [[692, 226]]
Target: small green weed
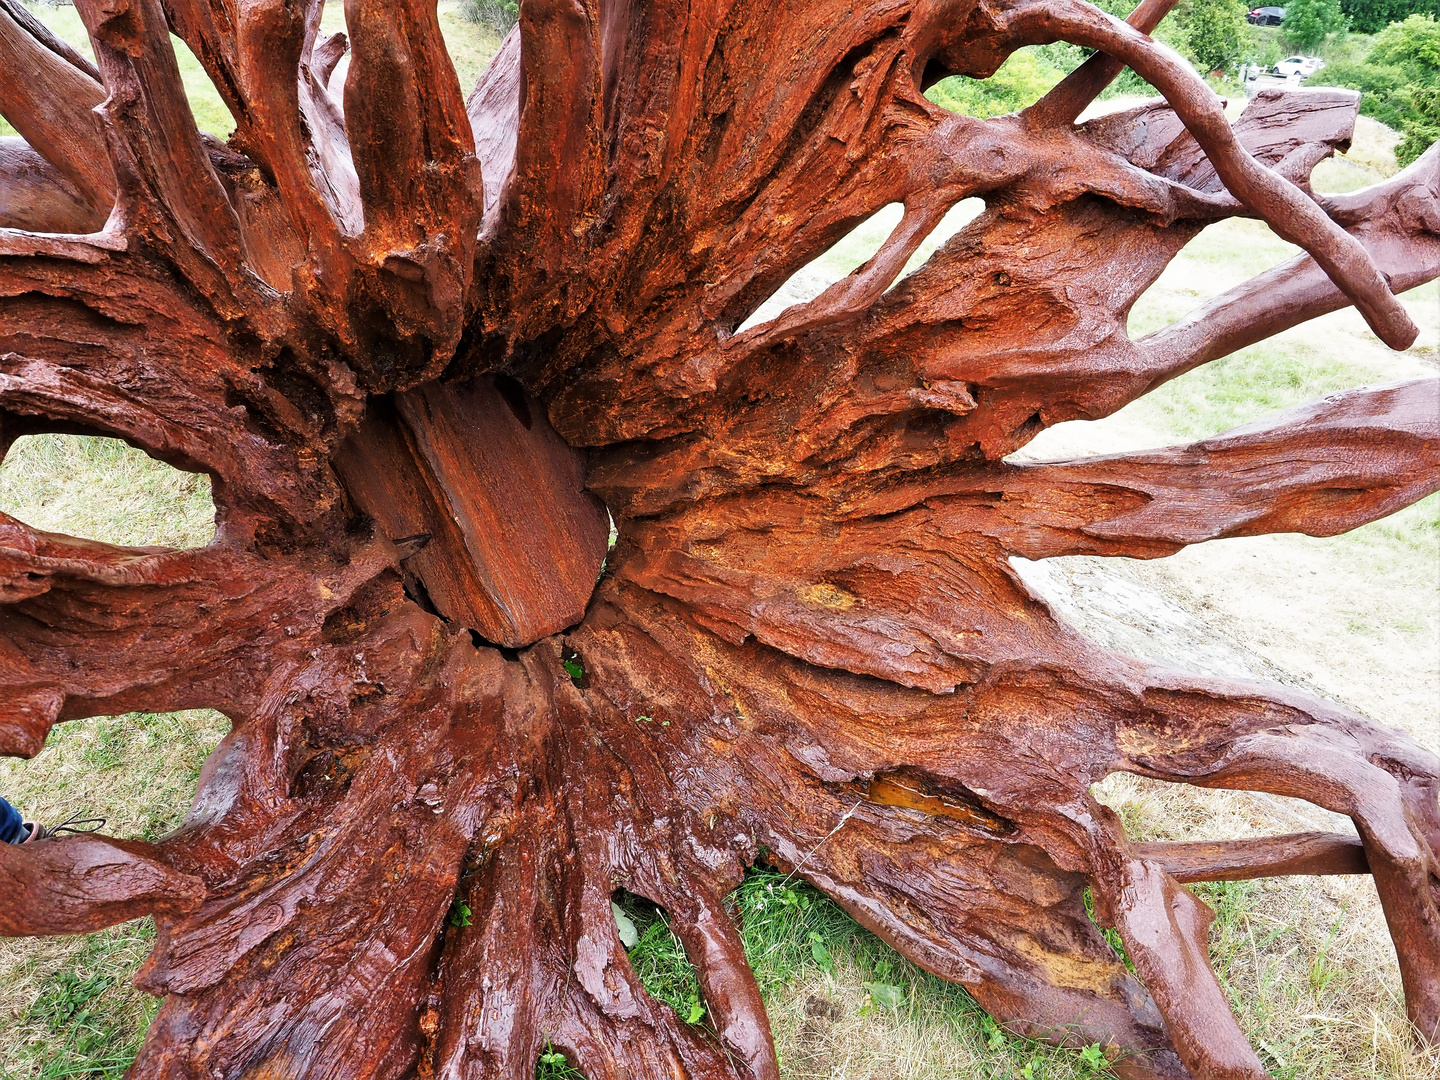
[[574, 666], [459, 913], [553, 1065], [67, 999]]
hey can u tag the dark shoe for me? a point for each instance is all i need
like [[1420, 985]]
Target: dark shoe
[[69, 825]]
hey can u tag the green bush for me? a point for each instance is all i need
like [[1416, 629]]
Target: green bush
[[1309, 22], [1398, 82], [1382, 89], [1414, 44], [1368, 16], [1022, 80], [1423, 127], [497, 15]]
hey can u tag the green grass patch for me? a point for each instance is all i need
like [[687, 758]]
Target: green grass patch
[[554, 1065], [85, 1019], [73, 1010], [1252, 383], [105, 489], [794, 934], [1405, 543], [659, 959]]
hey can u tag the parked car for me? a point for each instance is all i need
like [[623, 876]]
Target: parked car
[[1266, 16], [1304, 66]]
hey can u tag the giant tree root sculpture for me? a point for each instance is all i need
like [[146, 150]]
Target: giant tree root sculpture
[[415, 340]]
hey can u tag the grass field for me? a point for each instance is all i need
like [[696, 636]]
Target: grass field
[[1306, 963]]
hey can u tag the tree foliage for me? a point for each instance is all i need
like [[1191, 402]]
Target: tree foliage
[[1413, 45], [1422, 129], [1211, 32], [1309, 22], [1398, 80], [1021, 81], [1372, 16]]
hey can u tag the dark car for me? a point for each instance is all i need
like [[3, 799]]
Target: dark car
[[1266, 16]]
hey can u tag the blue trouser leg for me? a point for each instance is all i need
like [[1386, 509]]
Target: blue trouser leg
[[11, 823]]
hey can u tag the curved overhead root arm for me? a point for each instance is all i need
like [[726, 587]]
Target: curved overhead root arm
[[1064, 102], [1398, 222], [1283, 207], [43, 34]]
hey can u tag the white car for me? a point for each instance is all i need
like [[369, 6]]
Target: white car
[[1304, 66]]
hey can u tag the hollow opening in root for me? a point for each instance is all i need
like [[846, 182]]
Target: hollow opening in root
[[137, 771], [657, 956], [555, 1064], [955, 219], [856, 248], [1023, 79], [851, 251], [104, 489]]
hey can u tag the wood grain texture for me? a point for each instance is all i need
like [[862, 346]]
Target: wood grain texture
[[428, 344], [486, 505]]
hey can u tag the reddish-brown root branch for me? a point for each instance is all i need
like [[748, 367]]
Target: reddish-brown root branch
[[38, 197], [85, 883], [1398, 221], [810, 638], [1284, 207], [1165, 929], [1268, 856], [158, 156], [48, 100]]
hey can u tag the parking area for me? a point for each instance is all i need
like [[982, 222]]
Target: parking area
[[1254, 86]]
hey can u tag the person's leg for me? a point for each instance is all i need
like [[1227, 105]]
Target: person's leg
[[12, 826]]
